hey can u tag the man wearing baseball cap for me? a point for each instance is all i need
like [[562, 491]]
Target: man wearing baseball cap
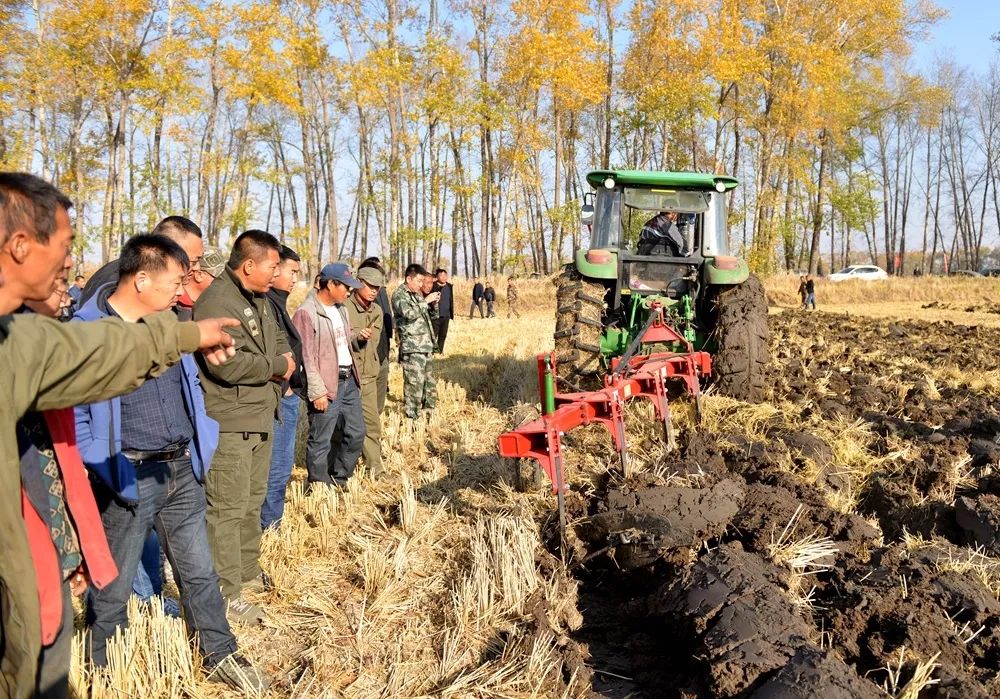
[[366, 318], [331, 377]]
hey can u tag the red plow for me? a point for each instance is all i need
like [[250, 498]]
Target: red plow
[[632, 376]]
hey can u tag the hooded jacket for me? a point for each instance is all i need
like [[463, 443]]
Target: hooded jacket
[[99, 425]]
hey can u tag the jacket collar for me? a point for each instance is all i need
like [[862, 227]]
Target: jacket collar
[[238, 283]]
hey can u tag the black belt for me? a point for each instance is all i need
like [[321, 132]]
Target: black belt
[[343, 373], [169, 454]]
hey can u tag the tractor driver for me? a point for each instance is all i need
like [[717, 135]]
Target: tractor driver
[[661, 236]]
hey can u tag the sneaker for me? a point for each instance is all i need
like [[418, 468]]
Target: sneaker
[[245, 612], [255, 585], [240, 674]]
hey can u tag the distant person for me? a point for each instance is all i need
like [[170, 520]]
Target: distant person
[[803, 293], [661, 236], [478, 290], [387, 329], [416, 341], [77, 289], [332, 378], [366, 320], [490, 297], [810, 293], [213, 262], [445, 307], [512, 296], [293, 392]]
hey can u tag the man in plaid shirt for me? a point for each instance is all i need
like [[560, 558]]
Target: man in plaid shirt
[[148, 453]]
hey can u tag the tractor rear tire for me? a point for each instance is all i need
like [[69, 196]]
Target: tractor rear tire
[[579, 326], [742, 340]]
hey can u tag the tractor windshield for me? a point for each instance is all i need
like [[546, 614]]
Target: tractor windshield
[[620, 214], [683, 201]]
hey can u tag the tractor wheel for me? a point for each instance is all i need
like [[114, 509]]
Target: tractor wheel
[[579, 308], [742, 340]]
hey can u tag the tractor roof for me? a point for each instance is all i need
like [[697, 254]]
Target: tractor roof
[[652, 178]]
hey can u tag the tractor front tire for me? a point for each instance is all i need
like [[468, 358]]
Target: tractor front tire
[[579, 326], [742, 340]]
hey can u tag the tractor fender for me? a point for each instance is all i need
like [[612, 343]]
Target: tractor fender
[[603, 266], [724, 269]]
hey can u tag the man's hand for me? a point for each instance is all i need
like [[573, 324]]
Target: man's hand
[[433, 297], [321, 404], [291, 365], [78, 583], [365, 334], [216, 344]]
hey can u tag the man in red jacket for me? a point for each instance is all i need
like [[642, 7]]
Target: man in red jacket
[[68, 546]]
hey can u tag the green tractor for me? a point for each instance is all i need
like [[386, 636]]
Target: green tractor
[[711, 299]]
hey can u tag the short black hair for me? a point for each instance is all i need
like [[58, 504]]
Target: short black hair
[[252, 245], [29, 203], [286, 254], [439, 270], [150, 253], [176, 227], [372, 262], [413, 269]]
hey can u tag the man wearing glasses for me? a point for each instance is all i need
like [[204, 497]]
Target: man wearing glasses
[[182, 231]]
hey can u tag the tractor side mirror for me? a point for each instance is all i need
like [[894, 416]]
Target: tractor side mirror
[[587, 214]]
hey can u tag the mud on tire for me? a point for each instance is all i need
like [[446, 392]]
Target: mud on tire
[[579, 326], [742, 340]]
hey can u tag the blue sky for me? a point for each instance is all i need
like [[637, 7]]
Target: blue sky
[[964, 35]]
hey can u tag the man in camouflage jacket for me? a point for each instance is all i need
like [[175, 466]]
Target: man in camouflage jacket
[[412, 316]]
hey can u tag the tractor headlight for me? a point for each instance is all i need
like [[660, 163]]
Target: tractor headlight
[[609, 183], [720, 187]]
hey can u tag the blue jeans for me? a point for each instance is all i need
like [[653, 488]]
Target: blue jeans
[[334, 463], [149, 575], [173, 501], [282, 456]]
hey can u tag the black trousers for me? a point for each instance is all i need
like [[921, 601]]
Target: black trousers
[[441, 328]]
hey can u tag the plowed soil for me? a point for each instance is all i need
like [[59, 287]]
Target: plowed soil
[[832, 542]]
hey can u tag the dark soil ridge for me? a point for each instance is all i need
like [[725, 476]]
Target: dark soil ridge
[[681, 598]]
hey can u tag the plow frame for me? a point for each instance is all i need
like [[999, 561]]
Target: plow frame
[[645, 377]]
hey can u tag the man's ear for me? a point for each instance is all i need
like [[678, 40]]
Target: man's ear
[[18, 246], [141, 281], [248, 267]]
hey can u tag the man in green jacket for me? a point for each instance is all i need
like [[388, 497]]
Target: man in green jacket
[[241, 396], [412, 315], [366, 320], [47, 365]]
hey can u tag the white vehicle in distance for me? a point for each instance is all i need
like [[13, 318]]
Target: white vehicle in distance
[[866, 273]]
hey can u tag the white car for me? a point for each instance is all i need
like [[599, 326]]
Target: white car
[[864, 272]]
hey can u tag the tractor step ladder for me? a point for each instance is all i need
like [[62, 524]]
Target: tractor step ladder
[[644, 377]]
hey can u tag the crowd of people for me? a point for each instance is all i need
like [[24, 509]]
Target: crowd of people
[[160, 423]]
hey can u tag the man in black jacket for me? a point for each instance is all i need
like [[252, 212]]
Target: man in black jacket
[[292, 393], [478, 292], [445, 307], [490, 296]]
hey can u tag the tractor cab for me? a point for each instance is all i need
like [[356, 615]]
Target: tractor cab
[[653, 231]]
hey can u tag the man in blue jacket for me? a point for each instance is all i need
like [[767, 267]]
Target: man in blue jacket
[[148, 452]]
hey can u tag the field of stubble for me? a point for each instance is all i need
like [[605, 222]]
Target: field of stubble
[[839, 540]]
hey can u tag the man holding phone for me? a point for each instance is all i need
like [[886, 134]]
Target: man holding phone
[[366, 318]]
